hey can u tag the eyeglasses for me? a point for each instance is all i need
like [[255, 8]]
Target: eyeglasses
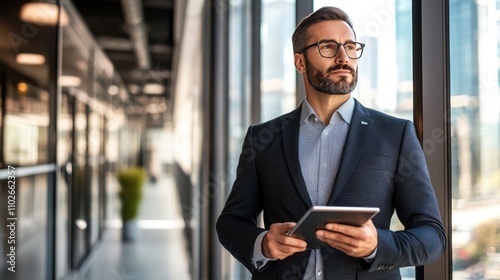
[[331, 48]]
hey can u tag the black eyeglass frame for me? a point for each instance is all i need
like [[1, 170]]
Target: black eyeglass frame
[[338, 48]]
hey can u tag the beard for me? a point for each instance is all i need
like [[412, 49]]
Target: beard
[[321, 82]]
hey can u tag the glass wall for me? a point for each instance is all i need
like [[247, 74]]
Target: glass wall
[[59, 201], [26, 253], [385, 26], [26, 121], [188, 86], [277, 69], [75, 80], [27, 62], [65, 164], [95, 168], [475, 138]]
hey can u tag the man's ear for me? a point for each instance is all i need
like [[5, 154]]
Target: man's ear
[[299, 61]]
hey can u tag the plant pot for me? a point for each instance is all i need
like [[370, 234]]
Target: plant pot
[[129, 230]]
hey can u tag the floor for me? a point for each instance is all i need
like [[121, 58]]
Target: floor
[[159, 252]]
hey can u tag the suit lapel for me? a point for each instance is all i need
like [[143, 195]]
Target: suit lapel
[[353, 147], [290, 130]]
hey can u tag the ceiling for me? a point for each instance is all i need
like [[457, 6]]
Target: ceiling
[[137, 35]]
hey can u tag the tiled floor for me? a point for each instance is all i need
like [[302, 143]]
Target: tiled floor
[[160, 249]]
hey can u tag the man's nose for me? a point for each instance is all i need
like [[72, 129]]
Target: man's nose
[[341, 57]]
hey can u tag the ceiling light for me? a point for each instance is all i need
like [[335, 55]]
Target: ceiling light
[[153, 89], [81, 224], [69, 81], [43, 14], [30, 59], [113, 90], [22, 87]]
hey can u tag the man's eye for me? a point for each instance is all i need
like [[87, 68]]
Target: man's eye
[[350, 47], [328, 47]]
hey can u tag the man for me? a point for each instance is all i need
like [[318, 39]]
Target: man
[[331, 151]]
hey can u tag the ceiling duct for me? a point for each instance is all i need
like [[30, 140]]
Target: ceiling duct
[[137, 30]]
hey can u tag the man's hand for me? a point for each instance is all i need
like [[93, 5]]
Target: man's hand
[[354, 241], [277, 245]]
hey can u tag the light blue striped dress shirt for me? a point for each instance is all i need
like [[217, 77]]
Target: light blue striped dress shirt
[[320, 149]]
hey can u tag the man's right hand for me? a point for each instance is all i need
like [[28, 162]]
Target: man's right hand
[[277, 245]]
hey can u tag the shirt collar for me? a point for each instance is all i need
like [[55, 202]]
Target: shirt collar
[[345, 111]]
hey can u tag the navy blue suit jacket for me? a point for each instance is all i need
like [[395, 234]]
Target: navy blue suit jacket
[[382, 166]]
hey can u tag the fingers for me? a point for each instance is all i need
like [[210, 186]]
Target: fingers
[[352, 240], [277, 245]]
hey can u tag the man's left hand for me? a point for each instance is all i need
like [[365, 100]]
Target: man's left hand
[[354, 241]]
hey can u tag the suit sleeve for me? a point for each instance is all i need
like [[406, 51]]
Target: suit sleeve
[[237, 225], [423, 239]]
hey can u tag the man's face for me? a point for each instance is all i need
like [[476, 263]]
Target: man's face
[[336, 75]]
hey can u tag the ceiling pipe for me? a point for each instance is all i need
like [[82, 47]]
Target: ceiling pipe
[[137, 30]]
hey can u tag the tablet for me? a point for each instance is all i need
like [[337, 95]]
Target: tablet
[[317, 216]]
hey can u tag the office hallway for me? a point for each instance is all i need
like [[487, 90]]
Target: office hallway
[[159, 253]]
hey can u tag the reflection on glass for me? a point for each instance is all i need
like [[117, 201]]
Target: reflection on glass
[[79, 205], [26, 52], [277, 68], [76, 81], [385, 80], [65, 128], [475, 138], [30, 228], [64, 161], [239, 79], [26, 122]]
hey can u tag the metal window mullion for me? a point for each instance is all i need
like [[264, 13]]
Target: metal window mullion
[[215, 128], [302, 9], [255, 65], [432, 119]]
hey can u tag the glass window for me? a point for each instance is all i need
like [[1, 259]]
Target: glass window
[[277, 67], [238, 101], [475, 138], [385, 26], [239, 79]]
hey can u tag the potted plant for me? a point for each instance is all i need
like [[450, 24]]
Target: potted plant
[[131, 181]]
